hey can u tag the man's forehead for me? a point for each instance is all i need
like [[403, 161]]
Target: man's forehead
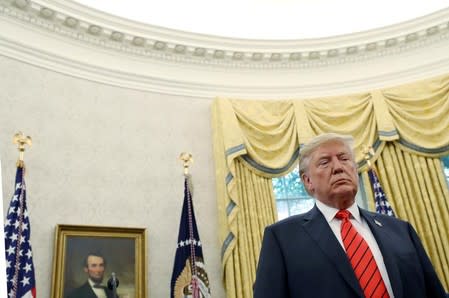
[[332, 147], [95, 259]]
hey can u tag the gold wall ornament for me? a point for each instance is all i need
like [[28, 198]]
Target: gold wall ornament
[[187, 160], [21, 140], [368, 153]]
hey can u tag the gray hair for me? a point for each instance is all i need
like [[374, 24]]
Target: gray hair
[[307, 150]]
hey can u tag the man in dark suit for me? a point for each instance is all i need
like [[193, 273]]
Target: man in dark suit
[[94, 266], [331, 252]]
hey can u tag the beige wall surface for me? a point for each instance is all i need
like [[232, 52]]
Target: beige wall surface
[[105, 155]]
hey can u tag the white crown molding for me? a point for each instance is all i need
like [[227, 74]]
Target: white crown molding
[[70, 38]]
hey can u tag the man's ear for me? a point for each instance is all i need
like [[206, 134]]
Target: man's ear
[[307, 183], [85, 269]]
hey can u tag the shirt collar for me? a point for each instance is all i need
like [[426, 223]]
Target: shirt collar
[[92, 283], [329, 212]]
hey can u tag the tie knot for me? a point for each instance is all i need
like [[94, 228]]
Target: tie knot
[[98, 286], [343, 214]]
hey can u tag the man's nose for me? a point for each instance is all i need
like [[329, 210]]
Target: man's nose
[[337, 166]]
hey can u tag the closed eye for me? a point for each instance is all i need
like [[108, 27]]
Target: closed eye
[[344, 157], [323, 162]]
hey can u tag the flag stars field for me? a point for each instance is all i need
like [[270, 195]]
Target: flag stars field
[[10, 250], [25, 281], [19, 262], [27, 268], [13, 237], [188, 242]]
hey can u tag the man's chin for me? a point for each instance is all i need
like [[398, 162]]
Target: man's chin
[[345, 191], [98, 280]]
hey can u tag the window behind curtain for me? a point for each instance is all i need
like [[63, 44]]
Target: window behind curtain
[[291, 196], [445, 161]]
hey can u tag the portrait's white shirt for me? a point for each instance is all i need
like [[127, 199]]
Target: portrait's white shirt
[[362, 227], [101, 293]]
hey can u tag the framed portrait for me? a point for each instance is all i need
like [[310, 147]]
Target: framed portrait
[[94, 258]]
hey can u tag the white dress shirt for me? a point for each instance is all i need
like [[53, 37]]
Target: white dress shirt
[[363, 229], [100, 292]]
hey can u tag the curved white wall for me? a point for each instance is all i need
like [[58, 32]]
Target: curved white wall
[[111, 104], [66, 37], [106, 155]]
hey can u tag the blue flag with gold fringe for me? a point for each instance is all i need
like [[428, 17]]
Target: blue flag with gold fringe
[[189, 277], [19, 258], [380, 198]]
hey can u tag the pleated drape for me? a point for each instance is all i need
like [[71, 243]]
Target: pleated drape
[[262, 139], [418, 191], [257, 211]]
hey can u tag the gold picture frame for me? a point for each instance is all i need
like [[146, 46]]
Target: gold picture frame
[[123, 249]]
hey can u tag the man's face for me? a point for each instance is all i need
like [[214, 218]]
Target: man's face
[[331, 176], [95, 268]]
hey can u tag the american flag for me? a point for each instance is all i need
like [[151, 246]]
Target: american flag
[[19, 258], [189, 277], [380, 198]]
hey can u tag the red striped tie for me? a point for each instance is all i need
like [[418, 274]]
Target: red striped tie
[[361, 259]]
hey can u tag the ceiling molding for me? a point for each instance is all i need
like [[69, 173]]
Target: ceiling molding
[[70, 38], [71, 20]]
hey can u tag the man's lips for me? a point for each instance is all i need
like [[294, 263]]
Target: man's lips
[[341, 181]]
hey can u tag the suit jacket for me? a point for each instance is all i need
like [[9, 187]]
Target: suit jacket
[[85, 291], [301, 257]]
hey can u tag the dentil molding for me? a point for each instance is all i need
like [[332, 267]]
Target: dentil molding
[[70, 38]]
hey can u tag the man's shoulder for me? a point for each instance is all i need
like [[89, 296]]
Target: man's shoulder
[[79, 291], [293, 220], [384, 218]]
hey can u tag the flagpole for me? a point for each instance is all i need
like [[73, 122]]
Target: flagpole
[[3, 288], [21, 141], [189, 274], [187, 160], [380, 198], [20, 275], [368, 153]]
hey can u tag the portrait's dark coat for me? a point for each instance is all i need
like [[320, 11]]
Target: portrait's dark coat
[[85, 291]]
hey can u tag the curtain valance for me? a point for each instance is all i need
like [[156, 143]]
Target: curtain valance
[[268, 134]]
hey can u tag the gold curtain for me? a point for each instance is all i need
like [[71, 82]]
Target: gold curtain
[[257, 210], [418, 191], [262, 139]]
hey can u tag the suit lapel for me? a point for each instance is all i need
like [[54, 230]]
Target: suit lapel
[[317, 227], [386, 243], [90, 291]]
